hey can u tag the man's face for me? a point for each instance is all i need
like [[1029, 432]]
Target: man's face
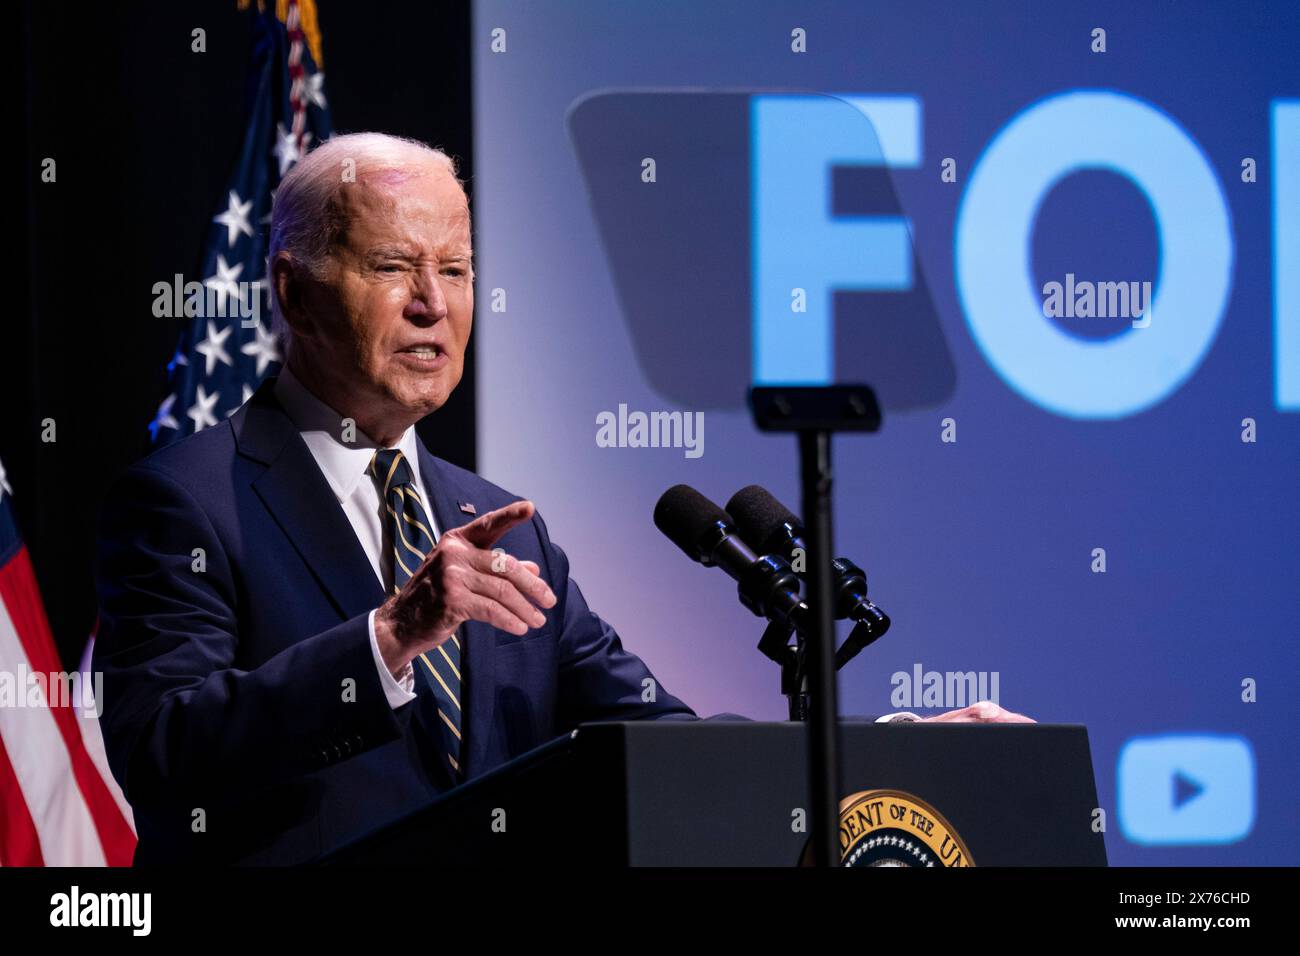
[[390, 318]]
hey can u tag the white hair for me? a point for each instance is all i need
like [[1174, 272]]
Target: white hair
[[305, 218]]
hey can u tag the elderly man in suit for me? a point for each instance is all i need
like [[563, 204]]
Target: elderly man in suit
[[310, 626]]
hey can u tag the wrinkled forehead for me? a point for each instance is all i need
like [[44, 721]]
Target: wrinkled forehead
[[424, 208]]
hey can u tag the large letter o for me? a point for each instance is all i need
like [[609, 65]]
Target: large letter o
[[1058, 136]]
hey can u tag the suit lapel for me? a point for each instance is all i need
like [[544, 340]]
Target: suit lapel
[[479, 641], [300, 500]]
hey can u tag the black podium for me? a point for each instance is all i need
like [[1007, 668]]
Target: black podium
[[722, 793]]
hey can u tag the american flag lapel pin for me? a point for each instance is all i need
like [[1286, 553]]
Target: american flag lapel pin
[[468, 508]]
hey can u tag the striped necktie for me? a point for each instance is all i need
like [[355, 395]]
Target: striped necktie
[[439, 670]]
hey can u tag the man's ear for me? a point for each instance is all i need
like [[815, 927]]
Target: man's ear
[[287, 278]]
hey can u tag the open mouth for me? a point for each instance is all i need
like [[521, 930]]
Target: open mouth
[[423, 356]]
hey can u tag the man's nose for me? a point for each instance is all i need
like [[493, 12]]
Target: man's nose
[[427, 298]]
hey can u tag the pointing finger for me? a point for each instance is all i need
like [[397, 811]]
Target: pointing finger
[[484, 530]]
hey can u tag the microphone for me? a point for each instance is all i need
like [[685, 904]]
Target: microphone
[[707, 535], [769, 527]]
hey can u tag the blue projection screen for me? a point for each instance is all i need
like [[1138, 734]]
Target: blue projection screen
[[1061, 241]]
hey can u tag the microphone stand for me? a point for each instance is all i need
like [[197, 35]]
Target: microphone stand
[[775, 644], [815, 413]]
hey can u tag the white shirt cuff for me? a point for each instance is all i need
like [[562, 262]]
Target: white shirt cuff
[[901, 716], [399, 690]]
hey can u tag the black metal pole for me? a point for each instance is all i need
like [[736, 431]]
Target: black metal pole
[[823, 720]]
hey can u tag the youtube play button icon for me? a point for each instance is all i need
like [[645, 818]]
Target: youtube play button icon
[[1186, 789]]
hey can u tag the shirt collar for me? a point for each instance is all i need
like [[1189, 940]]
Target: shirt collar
[[344, 464]]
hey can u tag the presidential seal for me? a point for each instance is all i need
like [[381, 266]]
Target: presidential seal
[[893, 828]]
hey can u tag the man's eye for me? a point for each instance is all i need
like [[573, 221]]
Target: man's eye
[[389, 267]]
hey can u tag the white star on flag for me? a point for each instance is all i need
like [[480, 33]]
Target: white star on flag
[[4, 485], [264, 347], [225, 283], [235, 218], [213, 348], [287, 148], [201, 410], [313, 91], [248, 393], [164, 418]]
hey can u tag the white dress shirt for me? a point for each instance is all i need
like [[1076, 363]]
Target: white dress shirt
[[346, 466]]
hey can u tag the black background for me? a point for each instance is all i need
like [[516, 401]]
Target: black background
[[145, 133]]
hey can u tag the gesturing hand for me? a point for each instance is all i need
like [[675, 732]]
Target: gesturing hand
[[461, 580]]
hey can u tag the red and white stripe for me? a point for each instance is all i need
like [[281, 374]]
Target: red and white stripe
[[59, 805]]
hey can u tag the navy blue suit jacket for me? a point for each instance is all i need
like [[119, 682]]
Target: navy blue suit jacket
[[226, 708]]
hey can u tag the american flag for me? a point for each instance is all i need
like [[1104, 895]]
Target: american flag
[[59, 805], [224, 353]]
